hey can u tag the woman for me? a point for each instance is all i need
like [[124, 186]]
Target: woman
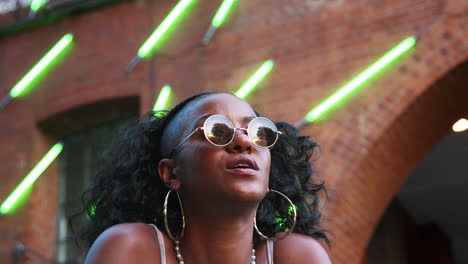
[[184, 187]]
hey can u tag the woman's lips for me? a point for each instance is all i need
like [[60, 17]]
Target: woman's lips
[[242, 162], [243, 171], [242, 165]]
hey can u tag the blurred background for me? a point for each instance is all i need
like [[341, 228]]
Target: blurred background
[[394, 144]]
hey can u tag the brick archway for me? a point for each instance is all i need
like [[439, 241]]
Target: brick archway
[[42, 233], [416, 110]]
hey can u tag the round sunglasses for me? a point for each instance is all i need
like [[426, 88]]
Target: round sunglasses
[[220, 132]]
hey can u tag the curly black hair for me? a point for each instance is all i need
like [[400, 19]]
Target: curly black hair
[[128, 188]]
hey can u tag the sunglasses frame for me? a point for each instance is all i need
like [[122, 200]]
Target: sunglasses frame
[[233, 134]]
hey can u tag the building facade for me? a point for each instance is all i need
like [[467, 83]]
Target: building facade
[[370, 142]]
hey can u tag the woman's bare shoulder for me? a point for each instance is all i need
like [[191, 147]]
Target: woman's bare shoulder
[[125, 243], [298, 248]]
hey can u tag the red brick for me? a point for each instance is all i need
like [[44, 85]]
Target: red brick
[[370, 142]]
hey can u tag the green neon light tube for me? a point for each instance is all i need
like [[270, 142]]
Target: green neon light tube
[[163, 98], [389, 57], [222, 12], [250, 84], [218, 19], [41, 65], [37, 4], [163, 27], [31, 178]]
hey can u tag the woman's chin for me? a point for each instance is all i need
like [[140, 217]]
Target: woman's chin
[[249, 193]]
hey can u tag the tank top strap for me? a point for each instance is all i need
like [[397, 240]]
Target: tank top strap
[[161, 244], [269, 247]]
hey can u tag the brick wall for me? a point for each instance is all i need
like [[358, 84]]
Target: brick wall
[[317, 45]]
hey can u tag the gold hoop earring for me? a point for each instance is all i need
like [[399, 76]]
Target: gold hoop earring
[[166, 225], [293, 210]]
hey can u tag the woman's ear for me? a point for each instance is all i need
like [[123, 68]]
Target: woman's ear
[[167, 172]]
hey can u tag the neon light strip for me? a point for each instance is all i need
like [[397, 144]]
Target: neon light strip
[[218, 19], [163, 98], [31, 177], [37, 4], [41, 65], [222, 12], [163, 27], [331, 101], [250, 84]]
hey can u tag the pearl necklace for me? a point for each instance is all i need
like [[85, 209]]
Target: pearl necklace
[[180, 259]]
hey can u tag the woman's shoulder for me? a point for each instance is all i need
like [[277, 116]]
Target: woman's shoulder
[[125, 243], [299, 248]]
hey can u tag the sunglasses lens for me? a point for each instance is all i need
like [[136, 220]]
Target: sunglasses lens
[[218, 130], [262, 132]]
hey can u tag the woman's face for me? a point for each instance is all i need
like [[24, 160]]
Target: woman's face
[[207, 171]]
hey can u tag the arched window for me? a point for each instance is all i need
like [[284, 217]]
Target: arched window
[[85, 131]]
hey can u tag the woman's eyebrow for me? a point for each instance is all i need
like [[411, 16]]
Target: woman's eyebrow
[[205, 116]]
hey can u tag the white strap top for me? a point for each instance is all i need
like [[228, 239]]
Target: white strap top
[[269, 246]]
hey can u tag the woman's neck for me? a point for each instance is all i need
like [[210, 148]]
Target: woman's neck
[[218, 239]]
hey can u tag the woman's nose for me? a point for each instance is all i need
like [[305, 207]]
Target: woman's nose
[[240, 143]]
